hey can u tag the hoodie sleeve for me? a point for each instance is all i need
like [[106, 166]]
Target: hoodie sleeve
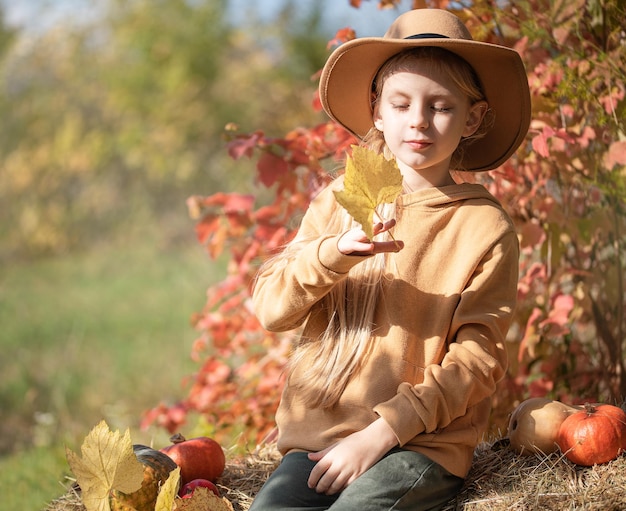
[[476, 359], [288, 286]]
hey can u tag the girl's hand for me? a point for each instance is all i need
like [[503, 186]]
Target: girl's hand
[[340, 464], [355, 242]]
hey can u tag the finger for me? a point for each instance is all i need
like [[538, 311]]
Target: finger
[[316, 456], [388, 246], [316, 475], [382, 227], [359, 249], [354, 241], [364, 248], [325, 484], [336, 485]]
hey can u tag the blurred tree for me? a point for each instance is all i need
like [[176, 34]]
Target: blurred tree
[[109, 126]]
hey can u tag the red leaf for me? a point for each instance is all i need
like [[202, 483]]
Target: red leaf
[[170, 418], [540, 142], [216, 243], [317, 103], [271, 168], [266, 214], [206, 227], [238, 223], [532, 235], [387, 4], [558, 317], [272, 236], [230, 202], [343, 35], [586, 137], [611, 101], [238, 203], [244, 145]]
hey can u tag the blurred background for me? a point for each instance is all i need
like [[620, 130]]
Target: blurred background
[[112, 114]]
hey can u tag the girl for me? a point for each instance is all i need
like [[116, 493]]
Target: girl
[[389, 388]]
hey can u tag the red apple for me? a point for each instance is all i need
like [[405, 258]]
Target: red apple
[[198, 458], [187, 491]]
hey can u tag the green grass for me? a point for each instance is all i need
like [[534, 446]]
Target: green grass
[[103, 335], [32, 478]]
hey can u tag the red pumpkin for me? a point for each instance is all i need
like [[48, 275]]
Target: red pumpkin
[[594, 435], [198, 458]]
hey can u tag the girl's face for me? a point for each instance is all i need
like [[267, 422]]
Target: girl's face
[[423, 115]]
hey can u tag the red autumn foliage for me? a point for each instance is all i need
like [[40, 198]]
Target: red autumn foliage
[[565, 190]]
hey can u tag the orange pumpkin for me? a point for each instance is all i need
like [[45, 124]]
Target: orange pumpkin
[[594, 435]]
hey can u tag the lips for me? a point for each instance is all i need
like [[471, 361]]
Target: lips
[[418, 144]]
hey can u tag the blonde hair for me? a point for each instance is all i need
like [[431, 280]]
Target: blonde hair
[[326, 365]]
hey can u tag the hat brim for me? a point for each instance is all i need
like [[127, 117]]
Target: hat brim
[[346, 80]]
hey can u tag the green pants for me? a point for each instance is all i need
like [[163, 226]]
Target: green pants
[[401, 481]]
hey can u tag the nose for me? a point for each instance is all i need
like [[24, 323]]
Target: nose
[[419, 118]]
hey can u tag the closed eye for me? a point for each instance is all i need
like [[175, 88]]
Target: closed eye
[[400, 107]]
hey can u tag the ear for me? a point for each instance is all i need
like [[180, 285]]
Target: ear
[[378, 121], [475, 116]]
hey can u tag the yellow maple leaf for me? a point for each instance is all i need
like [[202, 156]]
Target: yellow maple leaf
[[108, 462], [168, 492], [370, 180]]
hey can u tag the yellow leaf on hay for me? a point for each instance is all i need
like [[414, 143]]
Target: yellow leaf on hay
[[370, 180], [204, 499], [168, 492], [108, 462]]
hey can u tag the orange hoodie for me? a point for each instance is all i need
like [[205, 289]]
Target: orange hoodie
[[441, 322]]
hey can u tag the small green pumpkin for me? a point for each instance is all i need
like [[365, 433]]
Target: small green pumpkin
[[156, 469]]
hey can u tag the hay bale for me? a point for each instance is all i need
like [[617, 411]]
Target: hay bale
[[499, 480], [243, 478]]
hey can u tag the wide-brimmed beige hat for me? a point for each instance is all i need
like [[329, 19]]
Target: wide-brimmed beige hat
[[346, 80]]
